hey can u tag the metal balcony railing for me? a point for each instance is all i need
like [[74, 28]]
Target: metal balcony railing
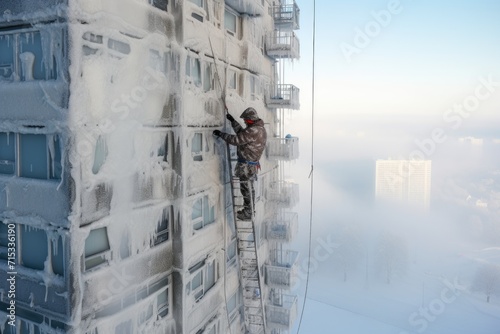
[[282, 271], [284, 194], [281, 312], [285, 149], [283, 96], [282, 227], [286, 16], [283, 44]]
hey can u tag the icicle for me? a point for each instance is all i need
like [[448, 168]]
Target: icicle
[[52, 151], [27, 62], [7, 192], [32, 300], [3, 321], [54, 238], [48, 42]]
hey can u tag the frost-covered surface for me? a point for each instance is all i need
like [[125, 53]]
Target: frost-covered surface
[[126, 96]]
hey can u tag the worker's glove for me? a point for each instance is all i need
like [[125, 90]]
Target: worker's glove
[[229, 117], [217, 133]]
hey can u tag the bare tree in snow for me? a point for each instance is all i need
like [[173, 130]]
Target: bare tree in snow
[[349, 252], [487, 280], [391, 256]]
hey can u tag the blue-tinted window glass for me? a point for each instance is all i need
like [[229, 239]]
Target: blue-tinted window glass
[[198, 2], [33, 156], [206, 211], [30, 328], [97, 242], [58, 257], [7, 153], [7, 46], [8, 328], [100, 154], [119, 46], [34, 249], [55, 159], [31, 43], [196, 72], [4, 241], [161, 4], [197, 209], [230, 21]]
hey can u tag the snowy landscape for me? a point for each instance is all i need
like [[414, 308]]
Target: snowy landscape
[[381, 267]]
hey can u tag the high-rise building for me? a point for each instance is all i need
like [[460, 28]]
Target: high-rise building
[[404, 180], [116, 201]]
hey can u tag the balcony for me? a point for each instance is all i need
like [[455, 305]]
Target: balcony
[[283, 96], [283, 45], [284, 149], [281, 272], [282, 312], [282, 227], [284, 194], [286, 16], [250, 7]]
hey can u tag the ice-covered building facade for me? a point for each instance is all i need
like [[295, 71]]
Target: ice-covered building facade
[[116, 212]]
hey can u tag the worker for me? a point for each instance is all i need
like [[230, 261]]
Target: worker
[[250, 143]]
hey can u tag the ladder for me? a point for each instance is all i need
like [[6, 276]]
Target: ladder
[[250, 273]]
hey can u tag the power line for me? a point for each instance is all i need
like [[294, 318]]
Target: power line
[[311, 173]]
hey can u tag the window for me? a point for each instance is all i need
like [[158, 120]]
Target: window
[[207, 78], [211, 276], [162, 230], [158, 61], [29, 327], [99, 44], [165, 150], [33, 156], [233, 304], [232, 82], [57, 254], [120, 47], [22, 57], [197, 285], [231, 253], [38, 157], [203, 213], [34, 247], [160, 4], [197, 2], [193, 71], [254, 87], [230, 22], [4, 241], [7, 153], [100, 154], [204, 277], [97, 249], [162, 303], [197, 147], [7, 49]]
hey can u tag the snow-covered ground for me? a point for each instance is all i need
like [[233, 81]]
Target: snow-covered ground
[[348, 308]]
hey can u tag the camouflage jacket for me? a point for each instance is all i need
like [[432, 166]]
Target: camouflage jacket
[[250, 141]]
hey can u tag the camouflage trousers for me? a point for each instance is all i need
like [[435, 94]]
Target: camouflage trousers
[[247, 175]]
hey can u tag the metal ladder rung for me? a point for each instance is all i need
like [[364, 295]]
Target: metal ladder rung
[[250, 275]]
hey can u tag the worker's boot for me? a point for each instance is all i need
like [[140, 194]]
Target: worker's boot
[[244, 214]]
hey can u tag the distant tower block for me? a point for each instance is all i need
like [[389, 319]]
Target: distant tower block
[[405, 181]]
